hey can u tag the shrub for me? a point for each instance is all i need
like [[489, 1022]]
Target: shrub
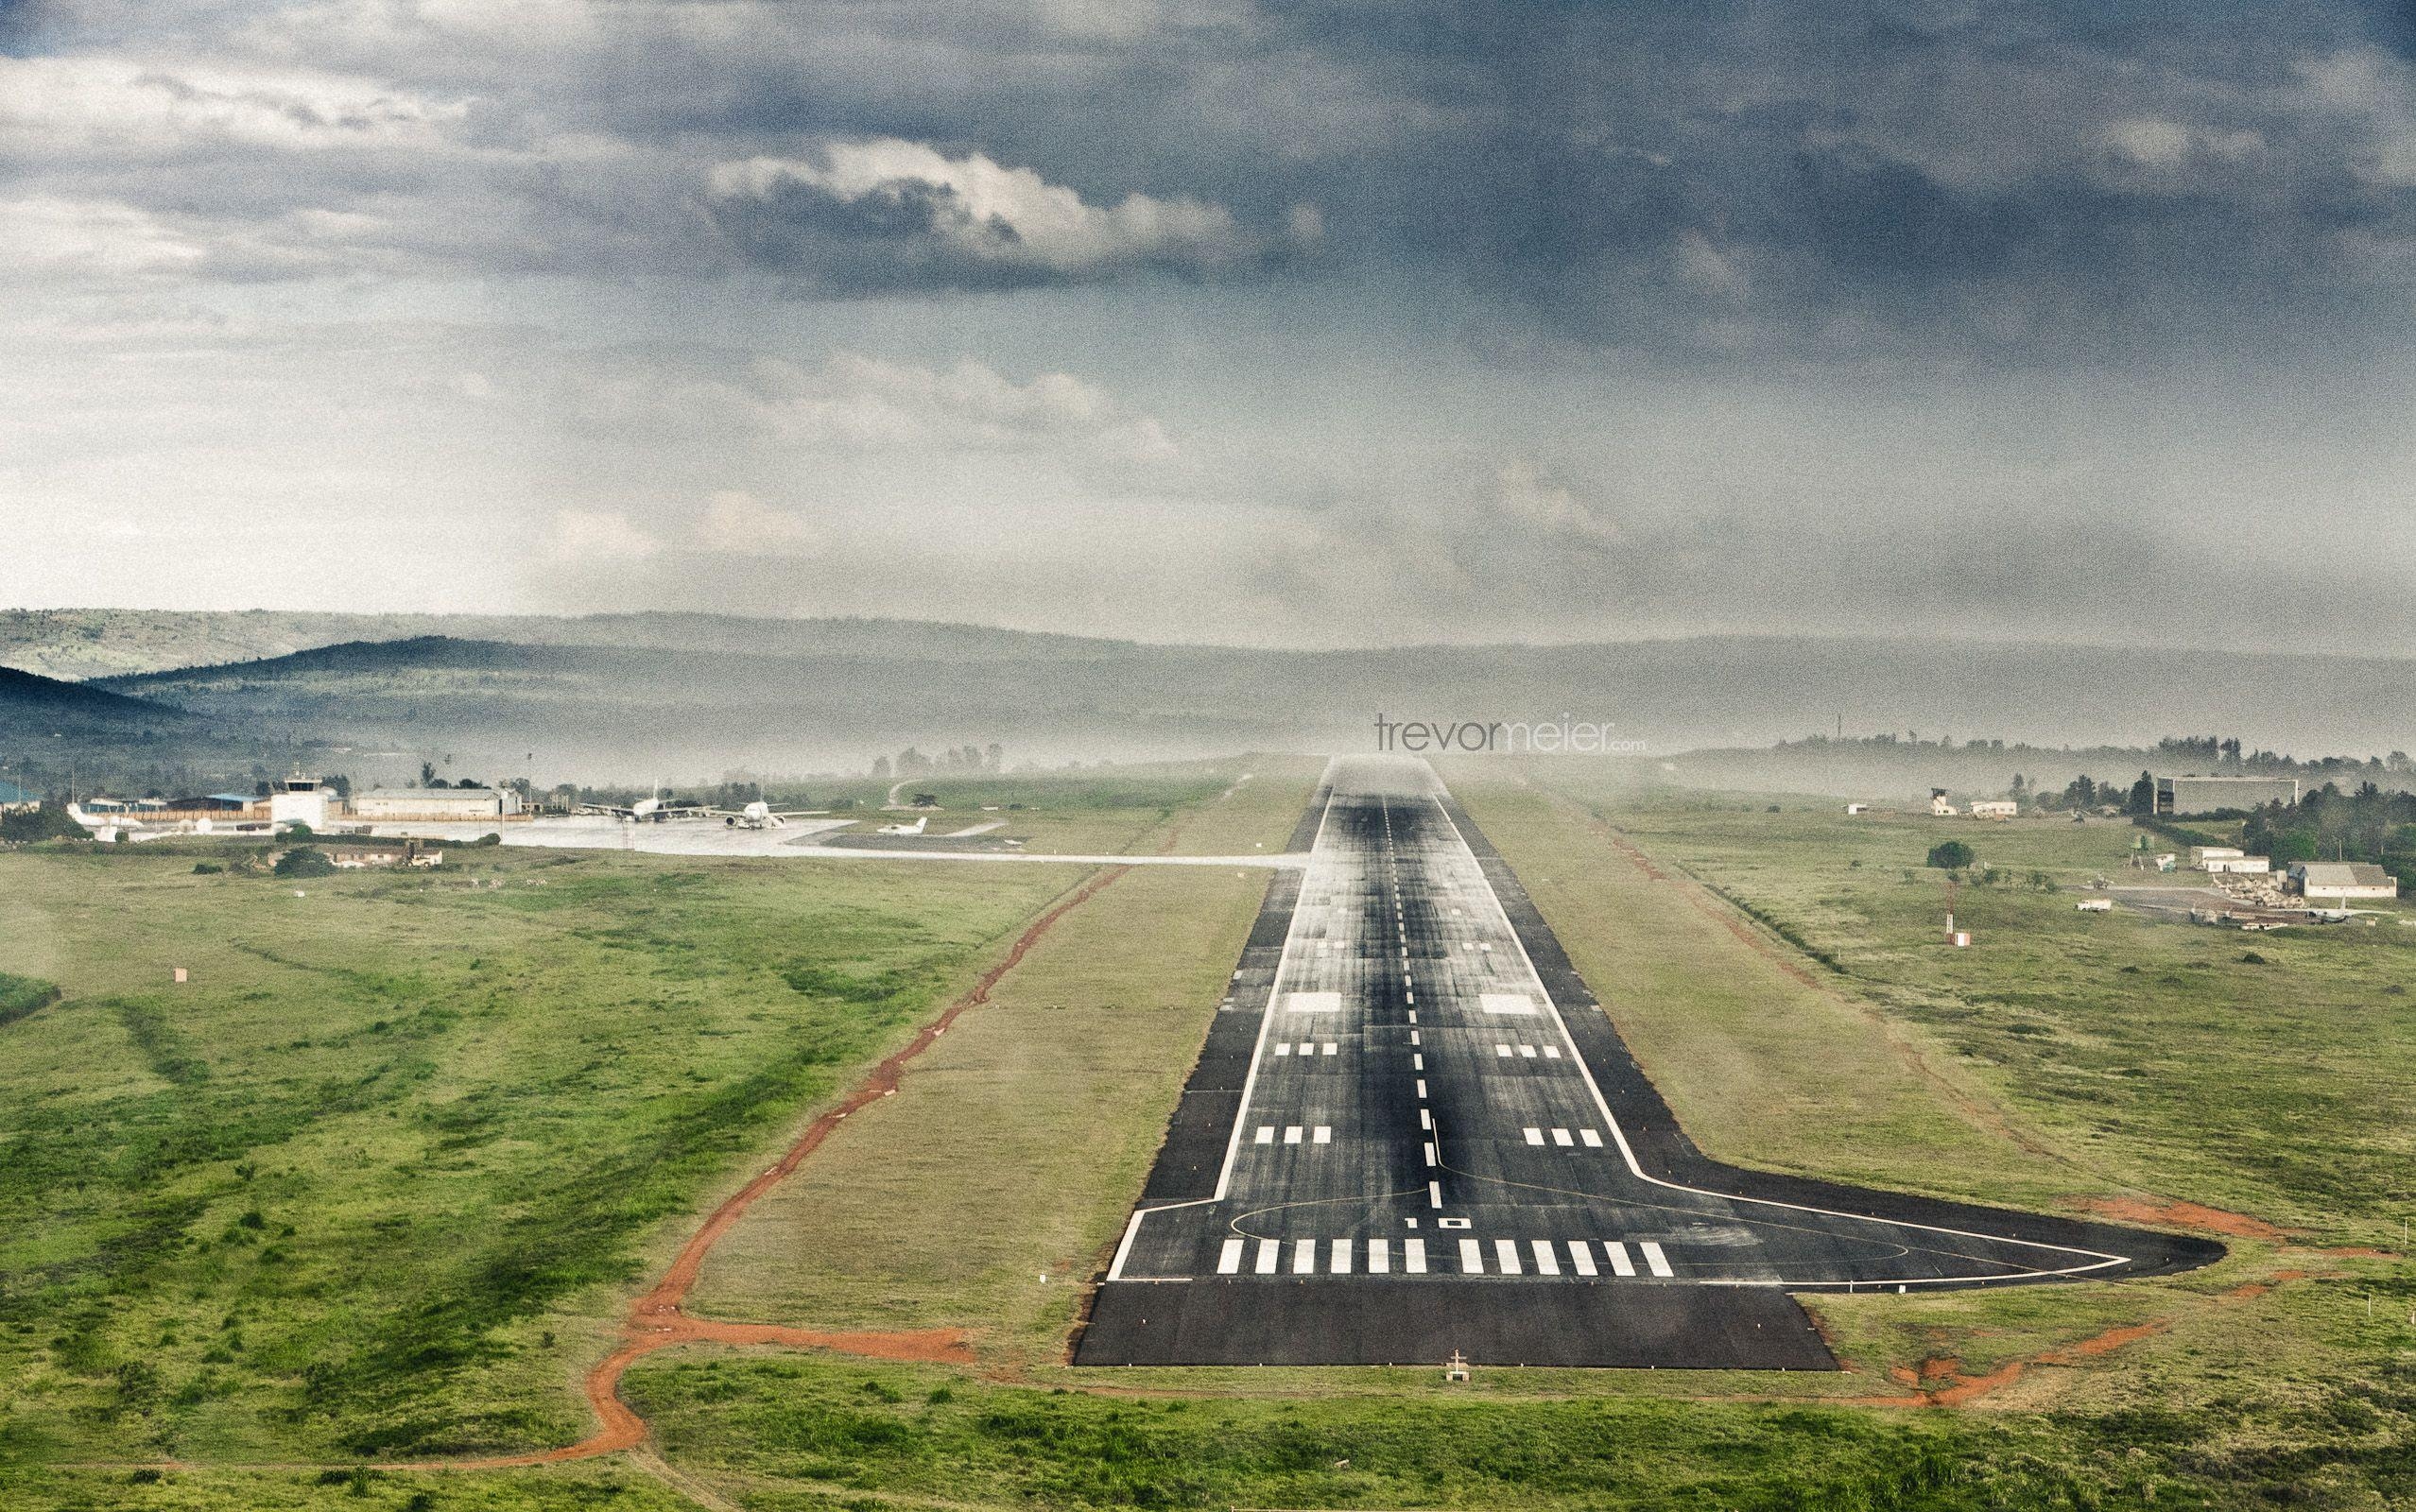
[[47, 822], [304, 862]]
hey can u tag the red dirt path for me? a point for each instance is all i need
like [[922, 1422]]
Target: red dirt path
[[2184, 1215], [656, 1320]]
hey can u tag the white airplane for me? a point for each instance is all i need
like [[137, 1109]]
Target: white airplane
[[653, 810], [761, 816], [916, 828]]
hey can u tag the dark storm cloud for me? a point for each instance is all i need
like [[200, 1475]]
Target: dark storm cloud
[[2029, 183], [2040, 182]]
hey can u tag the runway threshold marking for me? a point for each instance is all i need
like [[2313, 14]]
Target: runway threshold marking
[[1654, 1258]]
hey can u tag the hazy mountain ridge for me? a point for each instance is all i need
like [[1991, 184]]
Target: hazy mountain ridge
[[80, 643], [800, 695], [45, 718]]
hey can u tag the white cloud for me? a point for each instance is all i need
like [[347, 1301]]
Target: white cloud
[[2147, 141], [87, 106], [943, 218], [857, 403], [598, 535], [739, 523], [2373, 91], [1530, 499], [52, 235]]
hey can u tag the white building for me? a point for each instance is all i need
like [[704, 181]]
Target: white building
[[2238, 865], [435, 804], [2201, 854], [1994, 808], [1938, 803], [299, 799], [2341, 880]]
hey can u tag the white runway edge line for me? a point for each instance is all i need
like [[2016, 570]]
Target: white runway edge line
[[1258, 1049], [2099, 1260]]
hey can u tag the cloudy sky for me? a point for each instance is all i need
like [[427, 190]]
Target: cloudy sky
[[1277, 324]]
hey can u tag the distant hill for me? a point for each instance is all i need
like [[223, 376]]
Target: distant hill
[[697, 696], [81, 644], [28, 699], [43, 717]]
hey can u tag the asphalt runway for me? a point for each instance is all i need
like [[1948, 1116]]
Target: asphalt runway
[[1412, 1131]]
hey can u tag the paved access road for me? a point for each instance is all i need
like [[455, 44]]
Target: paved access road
[[1413, 1130]]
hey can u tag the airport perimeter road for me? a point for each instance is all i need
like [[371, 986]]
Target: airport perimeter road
[[1413, 1131]]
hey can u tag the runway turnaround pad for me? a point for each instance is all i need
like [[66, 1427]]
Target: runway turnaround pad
[[1413, 1131]]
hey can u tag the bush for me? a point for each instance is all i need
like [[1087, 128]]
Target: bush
[[1950, 855], [304, 862], [48, 822], [207, 868]]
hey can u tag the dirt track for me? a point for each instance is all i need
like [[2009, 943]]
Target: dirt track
[[656, 1320]]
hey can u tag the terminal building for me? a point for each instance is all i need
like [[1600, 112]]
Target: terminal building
[[2180, 796]]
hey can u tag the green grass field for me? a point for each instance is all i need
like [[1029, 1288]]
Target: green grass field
[[365, 1184], [571, 1066]]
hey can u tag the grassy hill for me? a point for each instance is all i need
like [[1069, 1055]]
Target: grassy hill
[[37, 712]]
